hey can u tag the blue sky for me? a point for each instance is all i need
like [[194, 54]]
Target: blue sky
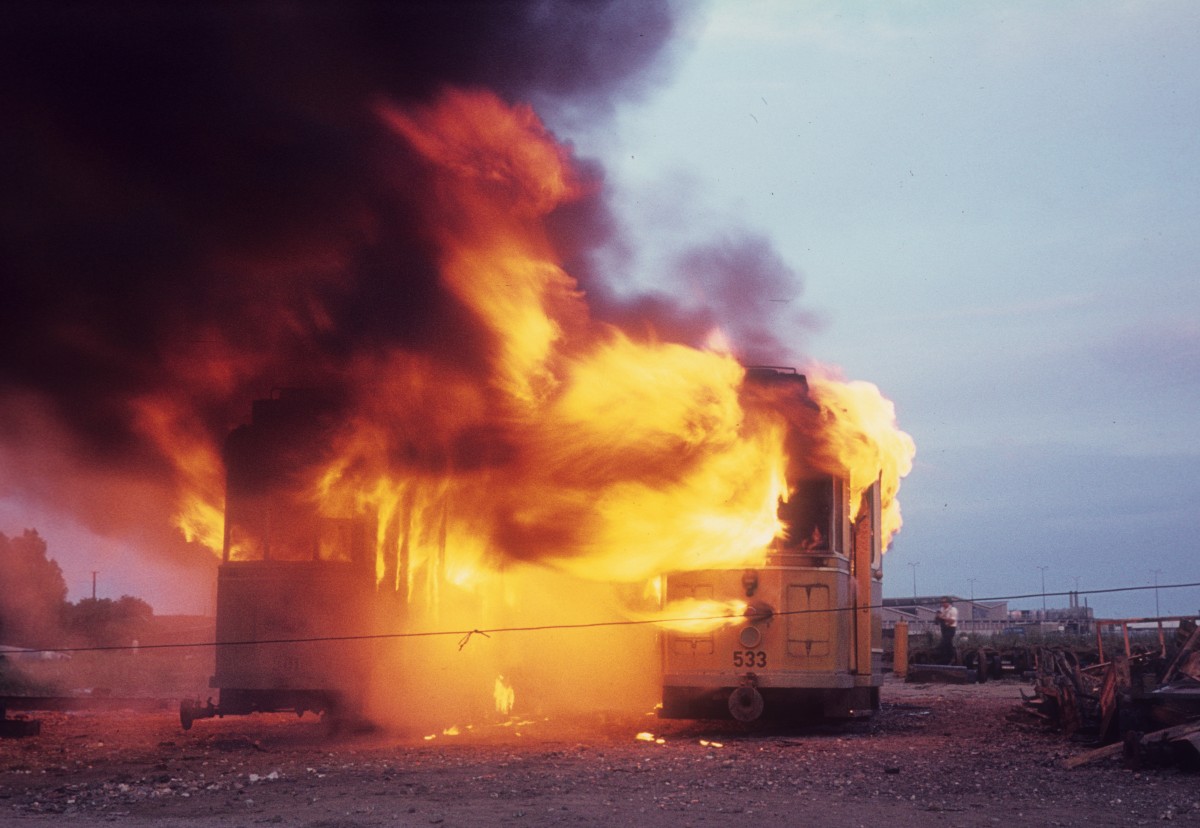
[[991, 210]]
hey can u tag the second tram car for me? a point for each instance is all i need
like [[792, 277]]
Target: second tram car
[[296, 593]]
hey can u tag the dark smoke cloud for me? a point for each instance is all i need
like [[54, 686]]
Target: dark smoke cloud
[[182, 179], [758, 294], [200, 205], [737, 284]]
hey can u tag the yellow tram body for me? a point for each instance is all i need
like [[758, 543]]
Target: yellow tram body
[[809, 643]]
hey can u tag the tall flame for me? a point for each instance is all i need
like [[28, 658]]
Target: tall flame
[[860, 431], [174, 430], [577, 445], [580, 447]]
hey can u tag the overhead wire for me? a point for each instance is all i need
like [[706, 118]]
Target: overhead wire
[[465, 635]]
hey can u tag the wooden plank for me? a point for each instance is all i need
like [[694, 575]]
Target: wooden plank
[[943, 673], [1168, 734], [1115, 749]]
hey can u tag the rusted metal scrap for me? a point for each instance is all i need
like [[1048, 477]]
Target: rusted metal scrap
[[1171, 745], [1071, 697], [1144, 707], [1139, 749], [1187, 661]]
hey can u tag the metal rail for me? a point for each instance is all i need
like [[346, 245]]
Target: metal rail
[[1124, 623]]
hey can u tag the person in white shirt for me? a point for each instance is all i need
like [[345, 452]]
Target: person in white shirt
[[947, 618]]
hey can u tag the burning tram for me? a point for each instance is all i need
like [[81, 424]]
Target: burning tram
[[300, 595], [808, 643], [296, 592]]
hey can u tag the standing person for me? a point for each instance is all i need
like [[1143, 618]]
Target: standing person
[[947, 618]]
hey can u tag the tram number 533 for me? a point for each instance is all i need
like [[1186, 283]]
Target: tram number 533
[[749, 658]]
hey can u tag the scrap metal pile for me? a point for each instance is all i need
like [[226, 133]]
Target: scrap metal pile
[[1142, 705]]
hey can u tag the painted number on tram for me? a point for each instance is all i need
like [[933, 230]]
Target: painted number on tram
[[749, 658]]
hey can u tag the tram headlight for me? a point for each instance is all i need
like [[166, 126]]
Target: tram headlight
[[750, 637]]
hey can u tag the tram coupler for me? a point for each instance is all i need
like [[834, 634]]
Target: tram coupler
[[745, 702], [190, 710]]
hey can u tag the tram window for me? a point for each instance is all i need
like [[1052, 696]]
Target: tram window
[[807, 516], [867, 526], [242, 543], [296, 538], [275, 528], [337, 539], [246, 521]]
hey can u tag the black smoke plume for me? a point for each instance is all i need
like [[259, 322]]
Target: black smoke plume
[[188, 184]]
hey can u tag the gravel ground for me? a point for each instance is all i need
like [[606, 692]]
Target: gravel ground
[[935, 755]]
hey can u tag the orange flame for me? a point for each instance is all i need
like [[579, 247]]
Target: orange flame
[[178, 435], [617, 459], [501, 172], [860, 432], [580, 447], [700, 615]]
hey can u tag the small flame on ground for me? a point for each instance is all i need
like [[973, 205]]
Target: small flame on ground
[[450, 731], [645, 736], [505, 695]]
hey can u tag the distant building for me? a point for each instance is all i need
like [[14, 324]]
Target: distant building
[[978, 617], [1075, 618], [987, 618]]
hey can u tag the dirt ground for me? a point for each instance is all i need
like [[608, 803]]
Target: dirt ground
[[934, 755]]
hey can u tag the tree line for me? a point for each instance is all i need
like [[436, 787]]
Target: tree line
[[35, 612]]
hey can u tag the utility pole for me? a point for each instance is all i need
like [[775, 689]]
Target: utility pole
[[914, 565], [972, 581], [1157, 614], [1043, 568], [94, 573]]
